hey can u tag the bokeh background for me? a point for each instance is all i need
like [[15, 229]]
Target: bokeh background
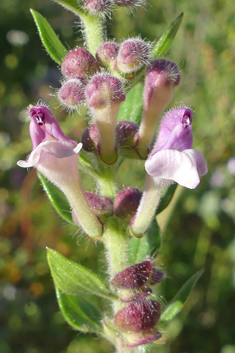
[[200, 233]]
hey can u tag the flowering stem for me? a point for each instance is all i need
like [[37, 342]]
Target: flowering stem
[[94, 32], [147, 207]]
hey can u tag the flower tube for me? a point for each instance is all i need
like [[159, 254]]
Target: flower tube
[[55, 156]]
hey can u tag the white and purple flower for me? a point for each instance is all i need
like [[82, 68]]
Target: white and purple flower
[[172, 157], [55, 156]]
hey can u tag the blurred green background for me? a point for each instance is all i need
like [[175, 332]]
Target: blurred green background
[[201, 231]]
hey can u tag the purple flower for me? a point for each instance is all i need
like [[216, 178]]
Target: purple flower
[[55, 156], [172, 157], [49, 143]]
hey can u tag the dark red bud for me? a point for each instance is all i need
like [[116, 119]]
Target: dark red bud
[[125, 133], [134, 276], [156, 276], [100, 205], [90, 139], [139, 316], [126, 203]]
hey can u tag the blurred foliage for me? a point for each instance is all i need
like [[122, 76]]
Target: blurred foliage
[[200, 233]]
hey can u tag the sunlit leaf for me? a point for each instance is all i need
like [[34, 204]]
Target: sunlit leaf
[[149, 244], [167, 197], [71, 5], [73, 279], [57, 199], [79, 313], [131, 109], [167, 38], [49, 39], [180, 298]]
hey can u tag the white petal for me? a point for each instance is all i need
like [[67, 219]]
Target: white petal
[[173, 165]]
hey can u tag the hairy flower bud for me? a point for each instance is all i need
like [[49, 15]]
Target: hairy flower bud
[[138, 316], [161, 78], [96, 7], [90, 139], [100, 205], [126, 132], [79, 63], [157, 276], [126, 3], [132, 55], [126, 203], [104, 89], [133, 277], [104, 95], [72, 93], [106, 54]]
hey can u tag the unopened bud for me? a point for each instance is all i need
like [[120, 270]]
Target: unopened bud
[[106, 54], [126, 132], [100, 205], [138, 317], [104, 89], [96, 7], [133, 277], [79, 63], [132, 55], [161, 78], [126, 203], [72, 93], [157, 276], [90, 139]]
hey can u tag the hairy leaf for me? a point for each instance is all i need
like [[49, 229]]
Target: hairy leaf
[[167, 38], [49, 39], [167, 197], [149, 244], [131, 109], [74, 279], [57, 199], [180, 298], [79, 313]]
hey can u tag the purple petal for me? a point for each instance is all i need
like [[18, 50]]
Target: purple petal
[[175, 131], [44, 126], [181, 167]]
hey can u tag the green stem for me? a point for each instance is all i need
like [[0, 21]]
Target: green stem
[[94, 32]]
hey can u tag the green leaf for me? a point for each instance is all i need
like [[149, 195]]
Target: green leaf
[[149, 244], [74, 279], [131, 109], [71, 5], [49, 39], [167, 38], [79, 313], [57, 199], [166, 199], [180, 298]]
